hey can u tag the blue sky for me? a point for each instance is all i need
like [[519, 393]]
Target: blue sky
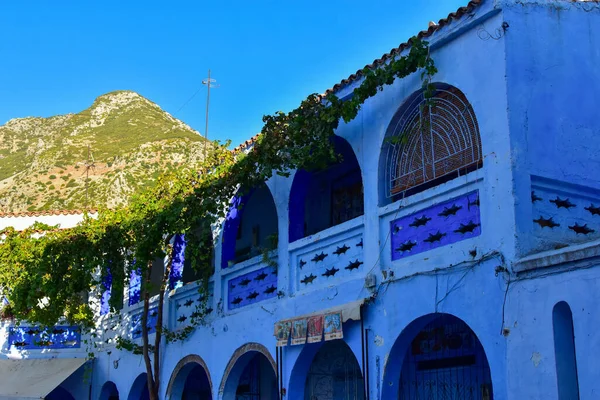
[[58, 56]]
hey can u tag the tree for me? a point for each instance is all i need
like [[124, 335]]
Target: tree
[[46, 273]]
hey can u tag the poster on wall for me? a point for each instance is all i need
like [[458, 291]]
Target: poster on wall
[[333, 326], [282, 332], [299, 331], [315, 329]]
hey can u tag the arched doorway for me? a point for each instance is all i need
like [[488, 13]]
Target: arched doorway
[[109, 391], [190, 380], [139, 389], [334, 374], [443, 359], [250, 375]]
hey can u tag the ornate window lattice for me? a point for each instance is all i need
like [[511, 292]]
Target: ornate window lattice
[[431, 141]]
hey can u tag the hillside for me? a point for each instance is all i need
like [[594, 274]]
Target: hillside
[[131, 139]]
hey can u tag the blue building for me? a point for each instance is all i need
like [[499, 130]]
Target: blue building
[[460, 263]]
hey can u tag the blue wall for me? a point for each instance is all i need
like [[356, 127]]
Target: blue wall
[[533, 89]]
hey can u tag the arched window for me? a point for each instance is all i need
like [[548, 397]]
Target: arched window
[[250, 227], [564, 351], [325, 198], [430, 141]]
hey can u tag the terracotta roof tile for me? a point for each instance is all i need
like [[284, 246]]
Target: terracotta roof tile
[[44, 213]]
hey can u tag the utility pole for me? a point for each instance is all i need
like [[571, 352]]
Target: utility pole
[[209, 83]]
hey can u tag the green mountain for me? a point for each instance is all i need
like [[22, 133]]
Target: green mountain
[[44, 163]]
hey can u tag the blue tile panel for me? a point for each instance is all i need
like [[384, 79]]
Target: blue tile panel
[[136, 323], [340, 260], [252, 287], [439, 225], [175, 277], [191, 305], [563, 213], [33, 338]]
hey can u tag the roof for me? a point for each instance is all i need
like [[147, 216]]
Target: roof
[[433, 27], [44, 213]]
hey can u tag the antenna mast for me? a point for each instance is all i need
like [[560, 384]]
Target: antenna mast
[[210, 83]]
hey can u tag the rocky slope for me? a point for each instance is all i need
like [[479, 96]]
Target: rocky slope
[[44, 162]]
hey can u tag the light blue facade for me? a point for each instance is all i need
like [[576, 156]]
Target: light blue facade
[[526, 237]]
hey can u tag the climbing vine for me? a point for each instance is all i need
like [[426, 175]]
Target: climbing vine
[[46, 273]]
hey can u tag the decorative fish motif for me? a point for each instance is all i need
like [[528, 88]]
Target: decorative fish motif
[[360, 244], [182, 318], [593, 209], [237, 300], [231, 285], [58, 331], [353, 265], [558, 202], [195, 315], [270, 289], [252, 295], [450, 211], [19, 344], [330, 272], [470, 227], [421, 221], [32, 332], [308, 279], [261, 276], [474, 203], [319, 257], [45, 343], [535, 197], [178, 306], [546, 222], [137, 332], [341, 250], [406, 246], [301, 263], [188, 302], [396, 229], [434, 237], [245, 282], [583, 229]]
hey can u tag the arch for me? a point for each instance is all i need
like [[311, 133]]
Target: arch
[[564, 351], [324, 369], [325, 198], [182, 272], [60, 393], [190, 377], [251, 225], [139, 389], [434, 354], [428, 142], [109, 391], [242, 370]]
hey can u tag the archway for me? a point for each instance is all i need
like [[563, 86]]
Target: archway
[[428, 142], [139, 389], [250, 375], [325, 198], [59, 393], [250, 226], [334, 373], [438, 356], [109, 391], [190, 380]]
